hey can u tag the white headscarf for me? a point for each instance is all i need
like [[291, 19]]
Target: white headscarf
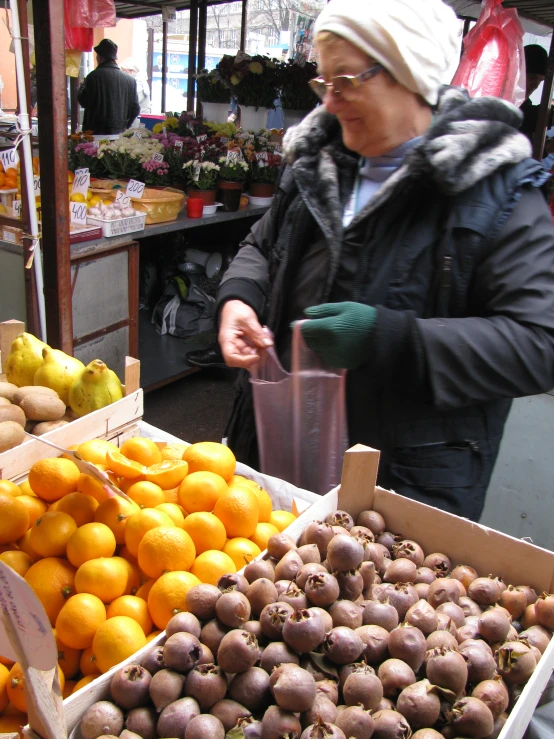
[[417, 42]]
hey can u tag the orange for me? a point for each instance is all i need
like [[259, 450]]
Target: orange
[[12, 723], [15, 690], [84, 681], [104, 577], [35, 506], [152, 635], [242, 551], [209, 456], [78, 620], [115, 512], [11, 171], [4, 676], [168, 596], [53, 581], [14, 518], [51, 532], [174, 511], [266, 506], [141, 450], [145, 588], [95, 450], [209, 566], [167, 474], [7, 486], [172, 495], [115, 640], [133, 576], [87, 663], [165, 548], [238, 510], [94, 488], [282, 519], [134, 607], [53, 477], [126, 554], [2, 179], [91, 541], [173, 451], [206, 531], [68, 659], [146, 494], [124, 467], [68, 688], [263, 532], [18, 561], [200, 491], [79, 506], [25, 545], [141, 522], [26, 489]]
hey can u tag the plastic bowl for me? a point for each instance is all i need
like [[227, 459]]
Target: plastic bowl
[[262, 202], [209, 210]]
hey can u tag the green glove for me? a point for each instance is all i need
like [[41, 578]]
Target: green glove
[[340, 333]]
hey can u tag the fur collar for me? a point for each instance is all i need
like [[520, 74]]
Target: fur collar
[[469, 140]]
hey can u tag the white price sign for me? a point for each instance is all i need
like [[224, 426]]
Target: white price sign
[[232, 157], [224, 140], [135, 189], [36, 180], [241, 57], [81, 182], [78, 213], [202, 138], [138, 134], [9, 158], [122, 200], [168, 13], [16, 208], [158, 157], [179, 145], [196, 175], [261, 156]]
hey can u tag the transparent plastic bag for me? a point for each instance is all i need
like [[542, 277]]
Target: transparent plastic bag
[[76, 39], [300, 418], [493, 62], [92, 13]]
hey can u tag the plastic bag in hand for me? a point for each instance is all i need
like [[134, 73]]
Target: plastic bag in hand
[[92, 13], [493, 61], [300, 418]]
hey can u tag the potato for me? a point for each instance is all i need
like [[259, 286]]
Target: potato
[[43, 407], [12, 413], [45, 426], [23, 392], [4, 401], [11, 434], [8, 390]]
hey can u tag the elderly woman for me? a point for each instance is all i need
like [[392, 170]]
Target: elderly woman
[[409, 228]]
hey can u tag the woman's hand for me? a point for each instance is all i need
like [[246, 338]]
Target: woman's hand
[[241, 337]]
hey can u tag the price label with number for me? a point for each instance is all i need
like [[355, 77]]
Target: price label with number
[[232, 157], [262, 156], [241, 57], [202, 138], [196, 174], [179, 145], [168, 13], [34, 130], [135, 189], [81, 181], [36, 180], [16, 208], [122, 200], [78, 213], [224, 140], [9, 158], [158, 157], [138, 134]]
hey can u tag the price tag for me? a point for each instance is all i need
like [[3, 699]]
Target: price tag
[[179, 145], [224, 140], [9, 236], [36, 180], [9, 158], [135, 189], [232, 157], [16, 208], [123, 200], [201, 138], [158, 157], [168, 13], [81, 182], [34, 129], [241, 57], [262, 156], [78, 213], [138, 134], [278, 149], [196, 174]]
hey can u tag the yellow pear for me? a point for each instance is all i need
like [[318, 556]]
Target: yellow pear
[[96, 387], [24, 359], [58, 371]]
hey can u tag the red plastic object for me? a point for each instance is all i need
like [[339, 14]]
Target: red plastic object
[[195, 207], [92, 13], [78, 39], [493, 61]]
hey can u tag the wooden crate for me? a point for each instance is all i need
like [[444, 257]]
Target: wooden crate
[[115, 422]]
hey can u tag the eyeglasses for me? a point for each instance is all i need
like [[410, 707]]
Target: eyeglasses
[[344, 83]]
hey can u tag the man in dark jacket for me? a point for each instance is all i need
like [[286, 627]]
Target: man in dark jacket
[[108, 95], [410, 229], [536, 60]]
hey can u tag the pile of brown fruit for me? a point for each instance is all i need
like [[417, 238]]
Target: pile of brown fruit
[[352, 632]]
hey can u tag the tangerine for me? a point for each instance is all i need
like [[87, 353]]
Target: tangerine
[[263, 532], [210, 456], [88, 485], [200, 491], [238, 510], [141, 450], [242, 551], [174, 511], [115, 640], [79, 619], [115, 512], [15, 689], [106, 578], [206, 531], [141, 522], [84, 681], [95, 450], [53, 477], [164, 549], [146, 494], [51, 532], [4, 676], [172, 495], [87, 663], [167, 474], [68, 659], [211, 565], [14, 518], [145, 588], [124, 467], [282, 519], [18, 561], [26, 489], [173, 451], [91, 541], [25, 545], [134, 576], [79, 506], [134, 607], [168, 596], [35, 507], [7, 486], [53, 581]]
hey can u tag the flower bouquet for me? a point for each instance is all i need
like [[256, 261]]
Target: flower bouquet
[[200, 178], [233, 171], [124, 157], [254, 81], [210, 87], [83, 152]]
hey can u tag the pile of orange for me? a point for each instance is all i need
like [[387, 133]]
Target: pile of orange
[[109, 570], [8, 178]]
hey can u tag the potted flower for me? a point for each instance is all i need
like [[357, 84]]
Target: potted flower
[[155, 173], [297, 97], [200, 178], [214, 96], [233, 172], [264, 171]]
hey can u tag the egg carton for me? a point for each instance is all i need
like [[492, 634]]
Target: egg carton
[[119, 226]]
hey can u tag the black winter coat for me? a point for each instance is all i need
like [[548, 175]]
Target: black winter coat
[[457, 252], [109, 97]]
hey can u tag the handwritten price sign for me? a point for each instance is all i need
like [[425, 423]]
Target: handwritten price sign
[[261, 156], [179, 146], [16, 208], [81, 182], [202, 138], [9, 158], [36, 180], [122, 200], [135, 189], [78, 213], [158, 157]]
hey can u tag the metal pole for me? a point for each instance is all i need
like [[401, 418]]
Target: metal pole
[[52, 123], [164, 63], [202, 24], [27, 159], [193, 38], [73, 90], [243, 24], [544, 110], [150, 58]]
